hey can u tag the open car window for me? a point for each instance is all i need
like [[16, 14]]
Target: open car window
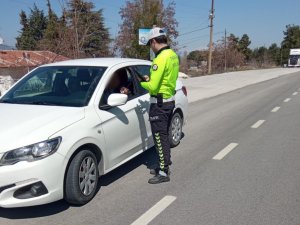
[[140, 71], [143, 69], [121, 78], [56, 85]]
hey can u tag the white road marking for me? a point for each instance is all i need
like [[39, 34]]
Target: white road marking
[[225, 151], [295, 93], [275, 109], [287, 100], [148, 216], [258, 124]]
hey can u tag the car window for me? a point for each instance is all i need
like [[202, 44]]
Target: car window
[[56, 85], [121, 78], [143, 69], [140, 71]]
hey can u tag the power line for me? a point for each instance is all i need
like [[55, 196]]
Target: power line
[[197, 39], [187, 8], [193, 31], [204, 21], [201, 36]]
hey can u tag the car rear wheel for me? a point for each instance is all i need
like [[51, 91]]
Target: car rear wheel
[[175, 129], [82, 178]]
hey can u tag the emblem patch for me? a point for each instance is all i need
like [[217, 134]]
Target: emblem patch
[[154, 67]]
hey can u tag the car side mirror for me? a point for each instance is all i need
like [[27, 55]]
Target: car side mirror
[[115, 100]]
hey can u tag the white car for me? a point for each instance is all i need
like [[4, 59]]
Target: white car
[[62, 127]]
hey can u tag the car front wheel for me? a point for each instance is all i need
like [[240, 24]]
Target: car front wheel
[[82, 178], [175, 129]]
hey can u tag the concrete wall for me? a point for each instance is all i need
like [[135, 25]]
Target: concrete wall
[[15, 72], [5, 83]]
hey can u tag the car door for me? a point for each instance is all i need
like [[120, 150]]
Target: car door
[[124, 126], [139, 71]]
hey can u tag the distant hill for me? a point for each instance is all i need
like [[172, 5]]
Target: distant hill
[[6, 47]]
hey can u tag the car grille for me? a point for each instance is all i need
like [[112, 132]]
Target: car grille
[[294, 60]]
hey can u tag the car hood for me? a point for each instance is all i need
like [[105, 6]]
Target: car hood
[[22, 125]]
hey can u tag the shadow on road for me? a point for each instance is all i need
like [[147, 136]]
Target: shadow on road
[[34, 211], [147, 158]]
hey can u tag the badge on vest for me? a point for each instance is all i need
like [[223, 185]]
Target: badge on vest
[[154, 67]]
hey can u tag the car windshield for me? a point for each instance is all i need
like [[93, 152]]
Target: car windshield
[[56, 85]]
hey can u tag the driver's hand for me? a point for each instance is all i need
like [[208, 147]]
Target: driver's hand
[[124, 90], [146, 78]]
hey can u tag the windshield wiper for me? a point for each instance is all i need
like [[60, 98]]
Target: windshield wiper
[[26, 103], [38, 103]]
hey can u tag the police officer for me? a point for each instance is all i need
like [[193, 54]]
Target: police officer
[[161, 86]]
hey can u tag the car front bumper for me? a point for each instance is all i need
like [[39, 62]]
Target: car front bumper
[[17, 180]]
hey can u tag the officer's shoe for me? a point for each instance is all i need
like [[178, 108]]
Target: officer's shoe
[[159, 178], [156, 171]]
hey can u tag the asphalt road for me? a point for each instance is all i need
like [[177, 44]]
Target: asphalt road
[[238, 163]]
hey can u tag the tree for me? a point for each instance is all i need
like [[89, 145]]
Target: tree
[[274, 54], [240, 44], [57, 36], [25, 40], [32, 29], [197, 57], [234, 58], [184, 65], [144, 14], [37, 23], [89, 36], [260, 55], [243, 46], [233, 42], [79, 32], [51, 33], [291, 40]]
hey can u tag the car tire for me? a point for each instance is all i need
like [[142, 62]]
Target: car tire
[[81, 178], [175, 130]]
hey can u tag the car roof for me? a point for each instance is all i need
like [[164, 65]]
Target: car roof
[[104, 62]]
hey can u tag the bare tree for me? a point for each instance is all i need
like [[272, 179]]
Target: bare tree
[[144, 14], [234, 58], [80, 31]]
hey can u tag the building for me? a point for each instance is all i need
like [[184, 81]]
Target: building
[[14, 64], [5, 83], [17, 63]]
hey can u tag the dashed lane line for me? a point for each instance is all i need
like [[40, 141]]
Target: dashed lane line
[[148, 216], [258, 124], [225, 151], [295, 93], [287, 100], [275, 109]]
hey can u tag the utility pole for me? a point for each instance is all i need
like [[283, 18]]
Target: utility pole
[[211, 17], [225, 53], [281, 55]]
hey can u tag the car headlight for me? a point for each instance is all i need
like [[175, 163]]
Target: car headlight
[[31, 152]]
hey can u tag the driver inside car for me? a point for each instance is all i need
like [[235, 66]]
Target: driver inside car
[[116, 85]]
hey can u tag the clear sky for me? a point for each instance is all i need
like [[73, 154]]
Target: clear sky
[[263, 20]]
